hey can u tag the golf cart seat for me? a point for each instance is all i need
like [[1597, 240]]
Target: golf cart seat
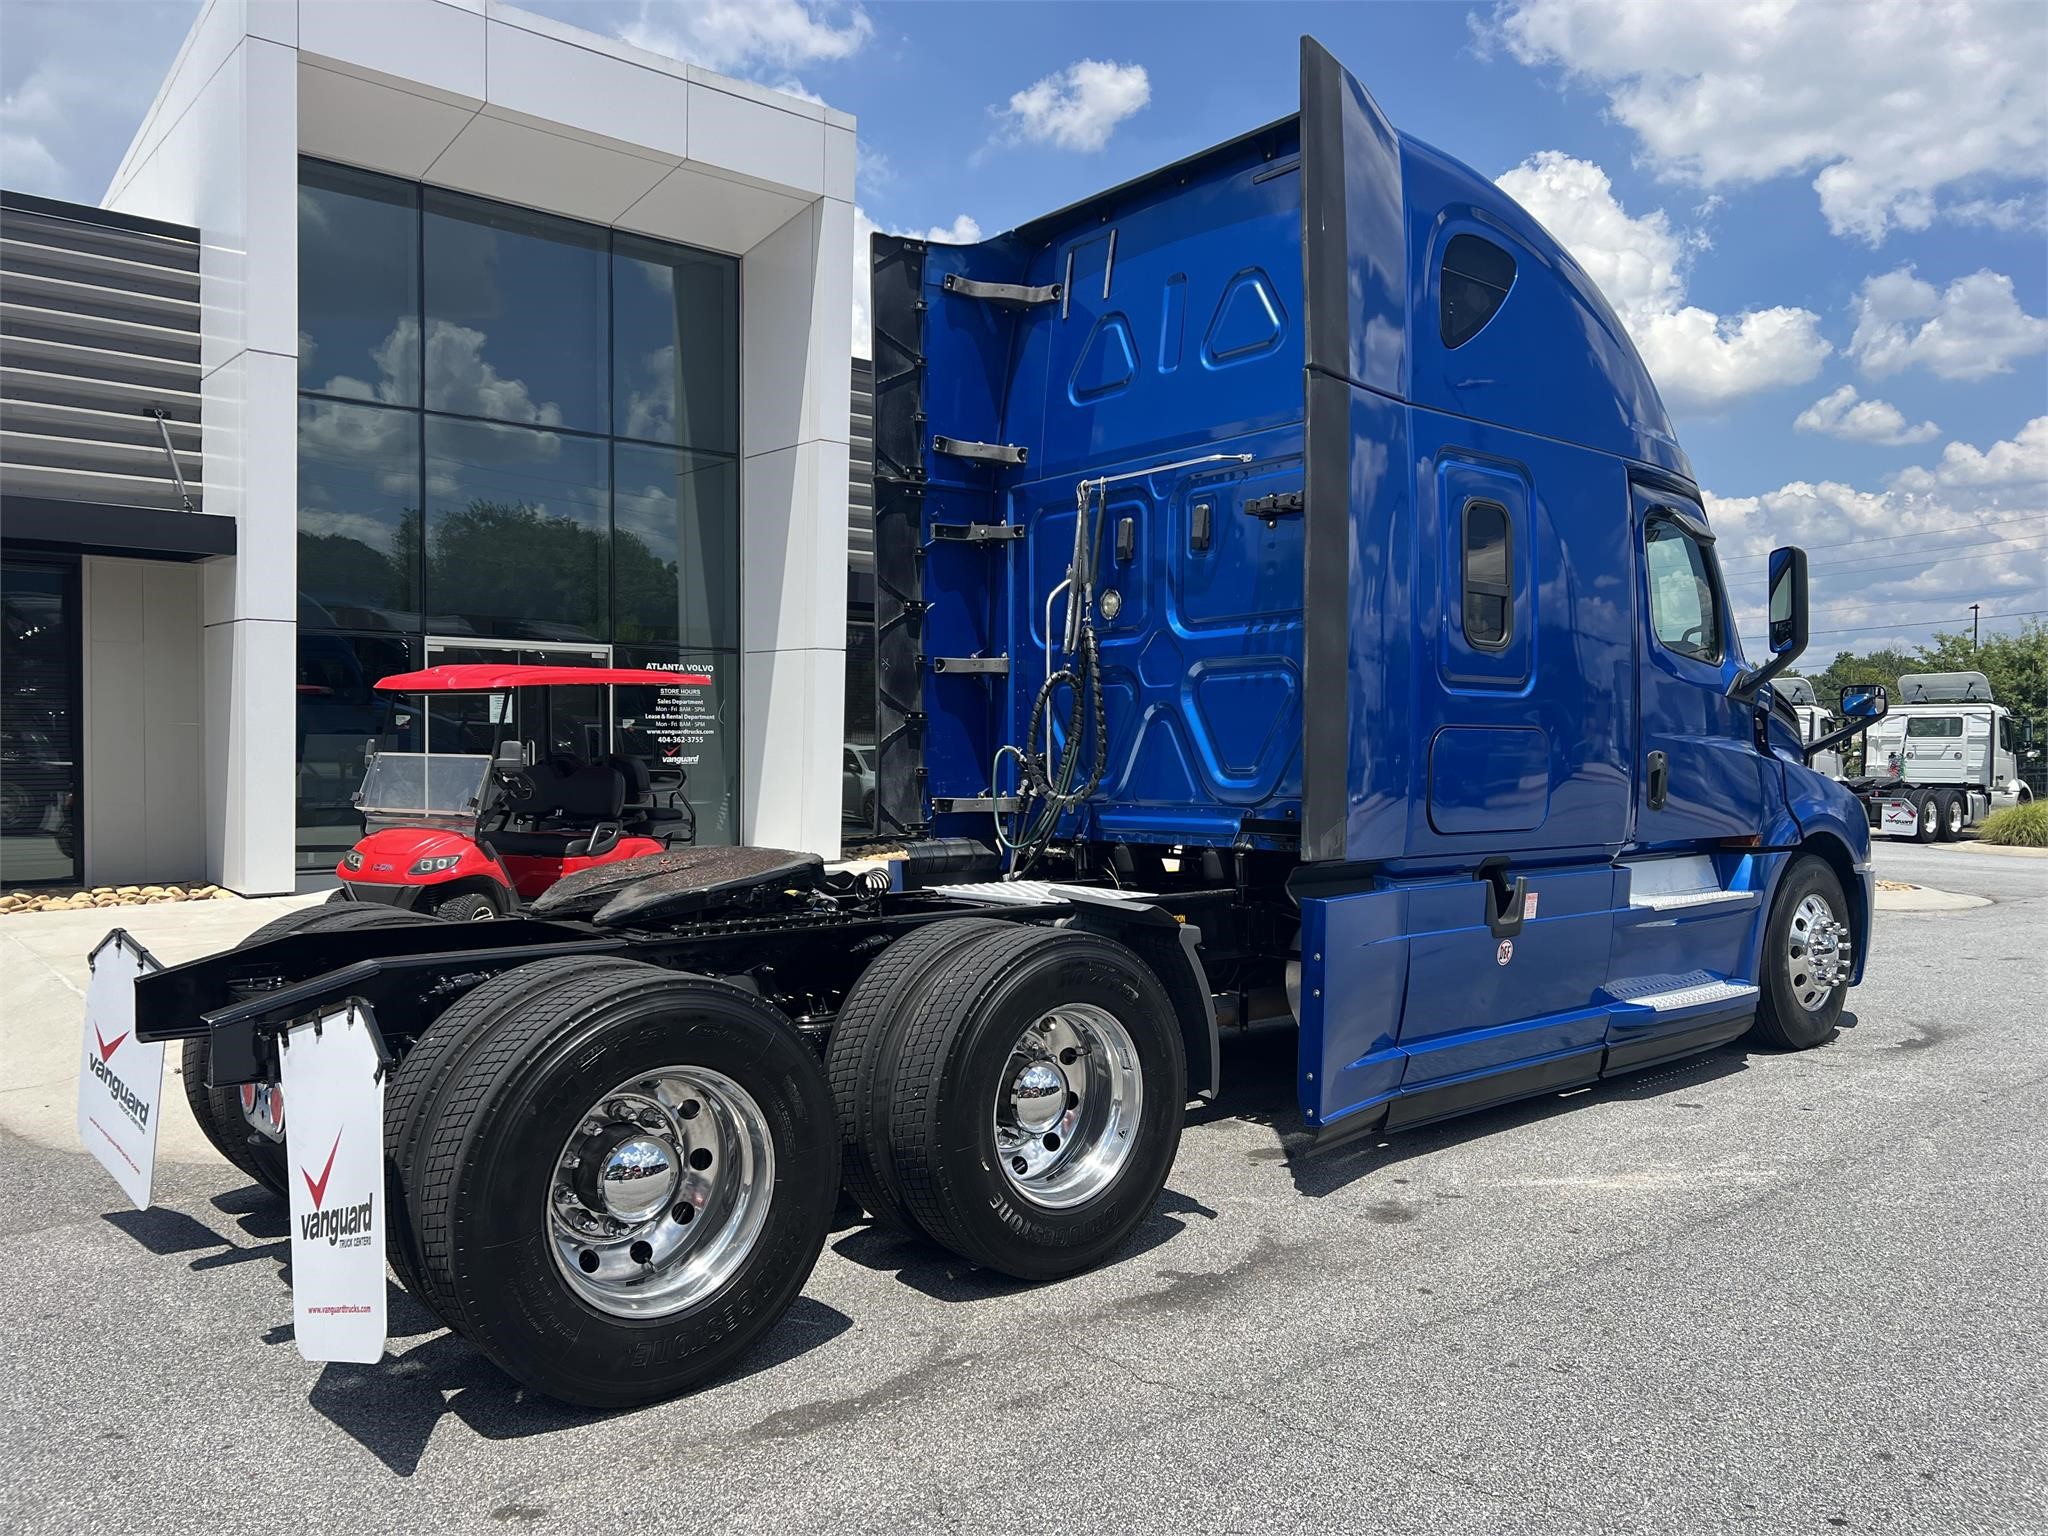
[[584, 798], [643, 814]]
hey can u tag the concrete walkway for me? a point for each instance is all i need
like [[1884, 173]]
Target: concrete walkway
[[42, 1008]]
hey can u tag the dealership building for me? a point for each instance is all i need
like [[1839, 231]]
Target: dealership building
[[409, 332]]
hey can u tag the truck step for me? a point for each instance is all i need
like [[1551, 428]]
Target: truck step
[[1665, 901], [1689, 989]]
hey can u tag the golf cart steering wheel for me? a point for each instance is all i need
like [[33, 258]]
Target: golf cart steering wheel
[[517, 786]]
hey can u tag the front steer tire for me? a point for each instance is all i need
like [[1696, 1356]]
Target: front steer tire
[[953, 1057], [1782, 1022], [541, 1062], [219, 1110]]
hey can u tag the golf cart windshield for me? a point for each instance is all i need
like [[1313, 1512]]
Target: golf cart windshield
[[424, 783]]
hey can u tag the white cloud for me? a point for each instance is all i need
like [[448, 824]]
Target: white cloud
[[1700, 360], [1077, 107], [1892, 564], [735, 35], [2021, 459], [1840, 414], [962, 231], [1895, 104], [1970, 330]]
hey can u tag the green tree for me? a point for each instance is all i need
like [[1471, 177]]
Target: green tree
[[2016, 665]]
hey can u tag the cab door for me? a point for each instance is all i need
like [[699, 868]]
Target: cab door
[[1699, 775]]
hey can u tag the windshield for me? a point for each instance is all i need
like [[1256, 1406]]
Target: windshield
[[423, 783]]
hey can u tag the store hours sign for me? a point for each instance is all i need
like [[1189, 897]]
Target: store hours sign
[[682, 722]]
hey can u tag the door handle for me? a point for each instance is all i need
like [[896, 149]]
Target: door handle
[[1660, 779]]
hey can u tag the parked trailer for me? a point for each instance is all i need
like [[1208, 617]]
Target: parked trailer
[[1288, 565], [1947, 757]]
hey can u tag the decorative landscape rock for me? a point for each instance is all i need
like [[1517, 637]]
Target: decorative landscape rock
[[110, 896]]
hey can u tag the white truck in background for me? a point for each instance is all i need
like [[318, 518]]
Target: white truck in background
[[1815, 721], [1945, 757]]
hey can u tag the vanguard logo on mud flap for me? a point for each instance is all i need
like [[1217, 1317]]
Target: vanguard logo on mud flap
[[133, 1105], [345, 1226]]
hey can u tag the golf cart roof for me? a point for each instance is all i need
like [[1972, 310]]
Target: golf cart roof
[[492, 677]]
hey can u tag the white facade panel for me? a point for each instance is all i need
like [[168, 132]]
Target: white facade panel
[[579, 92], [437, 48], [373, 123], [517, 163], [757, 140]]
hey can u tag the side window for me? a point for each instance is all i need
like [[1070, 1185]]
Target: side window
[[1921, 727], [1489, 594], [2005, 733], [1473, 284], [1685, 606]]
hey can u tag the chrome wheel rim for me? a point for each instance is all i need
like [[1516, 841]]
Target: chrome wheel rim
[[660, 1192], [1067, 1106], [1955, 816], [1816, 953], [1930, 815]]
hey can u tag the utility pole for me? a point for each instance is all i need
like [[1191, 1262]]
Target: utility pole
[[1973, 626]]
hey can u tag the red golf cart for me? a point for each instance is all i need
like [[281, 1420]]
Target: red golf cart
[[528, 794]]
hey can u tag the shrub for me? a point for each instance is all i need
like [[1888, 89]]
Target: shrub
[[2019, 826]]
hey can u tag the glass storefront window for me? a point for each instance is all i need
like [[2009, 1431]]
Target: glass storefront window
[[518, 437], [39, 718], [359, 292], [339, 712], [517, 537], [516, 315], [688, 735], [676, 350], [675, 519], [359, 516]]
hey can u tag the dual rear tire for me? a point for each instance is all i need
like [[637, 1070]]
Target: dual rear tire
[[1012, 1092], [611, 1178]]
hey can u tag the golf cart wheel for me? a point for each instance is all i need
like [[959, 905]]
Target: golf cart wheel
[[469, 907], [626, 1183], [1927, 818], [1951, 816], [414, 1091], [1806, 959], [1036, 1100], [876, 1003], [219, 1110]]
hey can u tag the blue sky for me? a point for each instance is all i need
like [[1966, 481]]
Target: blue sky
[[1826, 225]]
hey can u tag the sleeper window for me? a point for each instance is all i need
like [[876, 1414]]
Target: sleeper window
[[1474, 283], [1489, 597], [1685, 608]]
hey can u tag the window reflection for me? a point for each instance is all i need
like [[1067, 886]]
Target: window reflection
[[676, 566], [359, 516], [359, 295], [516, 532], [340, 713], [516, 315], [687, 736], [675, 329]]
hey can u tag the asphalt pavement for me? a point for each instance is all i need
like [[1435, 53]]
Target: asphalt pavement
[[1754, 1292]]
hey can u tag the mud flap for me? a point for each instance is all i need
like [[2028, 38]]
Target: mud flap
[[333, 1080], [120, 1079]]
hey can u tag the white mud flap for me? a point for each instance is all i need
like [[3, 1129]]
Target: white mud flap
[[120, 1080], [334, 1146], [1901, 818]]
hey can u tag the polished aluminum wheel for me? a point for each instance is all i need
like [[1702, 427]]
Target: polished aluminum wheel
[[1816, 953], [1068, 1105], [660, 1192]]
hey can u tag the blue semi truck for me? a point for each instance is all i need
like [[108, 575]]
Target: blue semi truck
[[1295, 607]]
